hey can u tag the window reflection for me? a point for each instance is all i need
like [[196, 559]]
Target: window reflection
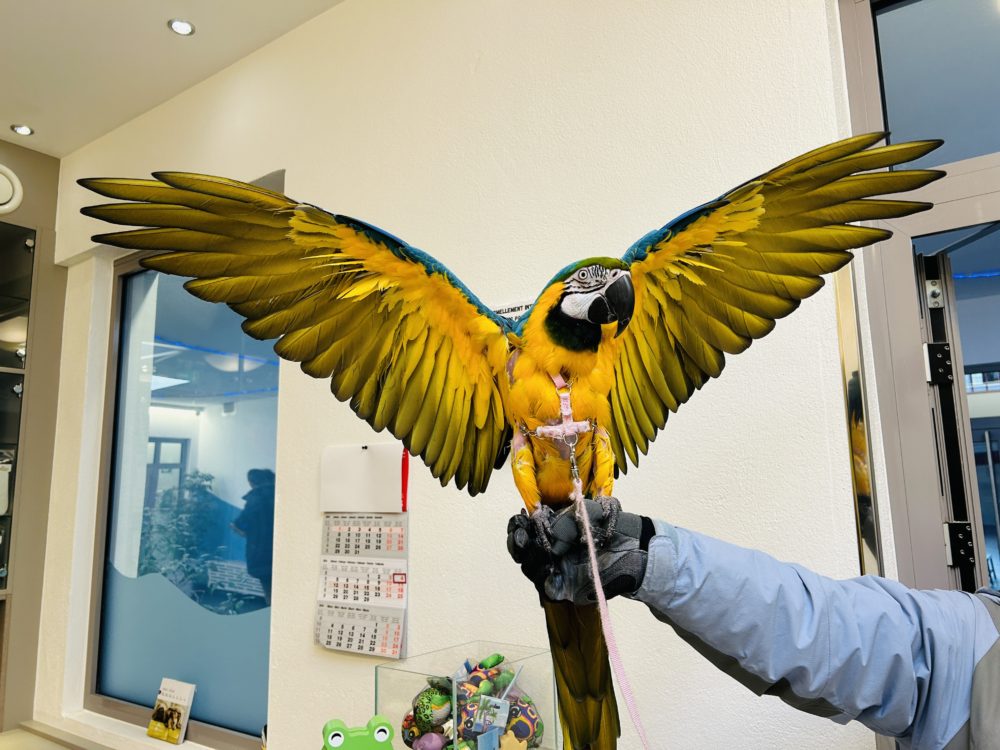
[[197, 409], [188, 571]]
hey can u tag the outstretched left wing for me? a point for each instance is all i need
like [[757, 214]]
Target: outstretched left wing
[[710, 282], [399, 336]]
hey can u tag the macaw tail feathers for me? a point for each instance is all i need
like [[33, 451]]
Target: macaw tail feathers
[[587, 706]]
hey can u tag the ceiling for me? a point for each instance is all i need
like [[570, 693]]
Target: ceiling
[[75, 70], [200, 353]]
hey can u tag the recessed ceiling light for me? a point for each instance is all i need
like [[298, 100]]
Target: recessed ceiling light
[[180, 26], [22, 129]]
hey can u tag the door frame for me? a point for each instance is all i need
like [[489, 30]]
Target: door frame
[[888, 323], [919, 498]]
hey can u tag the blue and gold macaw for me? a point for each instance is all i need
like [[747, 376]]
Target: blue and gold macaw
[[414, 351]]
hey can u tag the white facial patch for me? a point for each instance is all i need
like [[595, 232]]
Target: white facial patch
[[577, 304]]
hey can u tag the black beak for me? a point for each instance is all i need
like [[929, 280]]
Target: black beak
[[621, 300], [616, 304]]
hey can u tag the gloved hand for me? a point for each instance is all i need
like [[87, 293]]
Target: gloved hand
[[552, 552]]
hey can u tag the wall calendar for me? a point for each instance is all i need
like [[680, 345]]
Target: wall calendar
[[361, 603]]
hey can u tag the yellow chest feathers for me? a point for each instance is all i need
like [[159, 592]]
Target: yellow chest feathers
[[533, 398]]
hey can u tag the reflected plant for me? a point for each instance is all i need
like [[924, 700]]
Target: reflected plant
[[172, 533], [184, 531]]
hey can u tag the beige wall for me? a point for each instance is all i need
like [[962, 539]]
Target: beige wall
[[507, 138]]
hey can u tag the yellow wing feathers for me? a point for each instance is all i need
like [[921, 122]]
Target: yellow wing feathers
[[720, 277], [409, 348]]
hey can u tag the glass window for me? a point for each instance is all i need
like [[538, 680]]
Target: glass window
[[187, 581], [939, 60], [974, 254], [986, 447], [11, 388], [16, 259]]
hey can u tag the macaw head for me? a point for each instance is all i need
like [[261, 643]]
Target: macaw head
[[594, 292]]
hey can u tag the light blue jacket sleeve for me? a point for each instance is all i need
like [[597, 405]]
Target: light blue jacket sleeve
[[861, 649]]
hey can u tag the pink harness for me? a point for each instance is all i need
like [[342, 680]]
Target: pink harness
[[567, 431]]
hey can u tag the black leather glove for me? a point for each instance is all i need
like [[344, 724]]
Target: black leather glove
[[552, 551]]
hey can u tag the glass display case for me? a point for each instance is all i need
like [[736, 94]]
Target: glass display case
[[16, 260], [498, 688]]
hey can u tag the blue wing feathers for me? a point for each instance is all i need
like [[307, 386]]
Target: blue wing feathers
[[640, 249], [372, 232], [431, 265]]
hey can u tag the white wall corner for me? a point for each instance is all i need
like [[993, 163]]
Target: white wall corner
[[69, 561]]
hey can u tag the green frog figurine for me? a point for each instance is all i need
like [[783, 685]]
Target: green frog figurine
[[376, 736]]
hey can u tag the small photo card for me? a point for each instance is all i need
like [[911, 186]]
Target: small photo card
[[171, 711]]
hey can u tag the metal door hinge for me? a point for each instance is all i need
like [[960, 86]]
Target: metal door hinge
[[960, 549], [938, 364], [935, 293]]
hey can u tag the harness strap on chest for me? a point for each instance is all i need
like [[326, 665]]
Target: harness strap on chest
[[568, 428]]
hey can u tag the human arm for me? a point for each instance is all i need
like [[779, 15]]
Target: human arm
[[857, 649]]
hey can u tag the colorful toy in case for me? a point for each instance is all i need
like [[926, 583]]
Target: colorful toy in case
[[377, 735], [486, 691], [408, 729], [510, 742], [524, 722], [431, 708], [431, 741]]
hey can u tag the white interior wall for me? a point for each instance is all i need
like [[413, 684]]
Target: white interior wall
[[496, 135], [182, 424], [232, 444]]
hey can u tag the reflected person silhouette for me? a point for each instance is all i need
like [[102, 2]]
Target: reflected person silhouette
[[256, 523]]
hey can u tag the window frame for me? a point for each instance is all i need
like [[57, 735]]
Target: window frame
[[203, 733]]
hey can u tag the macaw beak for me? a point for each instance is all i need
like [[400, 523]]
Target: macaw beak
[[621, 298], [616, 304]]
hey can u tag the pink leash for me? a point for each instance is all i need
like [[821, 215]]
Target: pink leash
[[568, 432]]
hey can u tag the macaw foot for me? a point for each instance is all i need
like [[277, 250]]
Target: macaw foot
[[555, 531], [604, 531], [543, 518]]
